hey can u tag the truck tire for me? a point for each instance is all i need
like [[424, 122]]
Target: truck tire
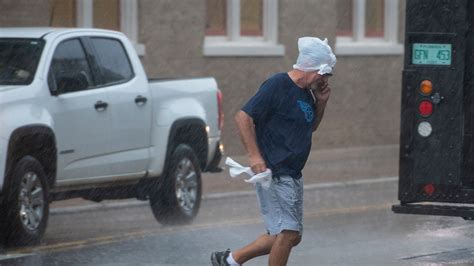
[[26, 206], [177, 198]]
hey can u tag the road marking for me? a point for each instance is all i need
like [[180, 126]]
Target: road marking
[[14, 256], [103, 240]]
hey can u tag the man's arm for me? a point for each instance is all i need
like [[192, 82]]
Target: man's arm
[[320, 107], [247, 135]]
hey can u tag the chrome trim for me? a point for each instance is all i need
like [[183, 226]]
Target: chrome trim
[[31, 201], [186, 185]]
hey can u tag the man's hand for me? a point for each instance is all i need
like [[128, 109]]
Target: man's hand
[[257, 164], [323, 92]]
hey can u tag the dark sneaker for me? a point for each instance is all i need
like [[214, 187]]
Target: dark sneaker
[[219, 258]]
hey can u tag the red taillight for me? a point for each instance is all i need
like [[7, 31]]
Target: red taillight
[[429, 189], [425, 108], [220, 118]]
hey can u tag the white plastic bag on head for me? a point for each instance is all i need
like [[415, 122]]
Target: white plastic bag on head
[[314, 55]]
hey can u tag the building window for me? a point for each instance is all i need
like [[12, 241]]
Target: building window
[[119, 15], [344, 17], [251, 17], [242, 28], [368, 27], [216, 18]]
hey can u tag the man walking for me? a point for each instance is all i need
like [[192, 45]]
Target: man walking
[[276, 127]]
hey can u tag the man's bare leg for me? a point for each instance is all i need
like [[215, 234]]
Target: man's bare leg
[[261, 246], [282, 247]]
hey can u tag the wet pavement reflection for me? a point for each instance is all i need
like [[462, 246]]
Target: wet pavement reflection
[[348, 224]]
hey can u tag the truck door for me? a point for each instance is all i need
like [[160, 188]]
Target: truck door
[[81, 118], [130, 107], [436, 149]]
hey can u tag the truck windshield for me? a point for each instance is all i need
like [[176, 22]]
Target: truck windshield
[[18, 60]]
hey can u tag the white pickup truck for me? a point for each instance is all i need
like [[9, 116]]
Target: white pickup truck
[[79, 118]]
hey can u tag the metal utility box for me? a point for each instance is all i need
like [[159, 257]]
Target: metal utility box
[[437, 113]]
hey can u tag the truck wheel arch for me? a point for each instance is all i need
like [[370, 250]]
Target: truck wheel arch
[[37, 141], [190, 131]]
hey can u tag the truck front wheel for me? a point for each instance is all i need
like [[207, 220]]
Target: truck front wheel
[[26, 207], [177, 197]]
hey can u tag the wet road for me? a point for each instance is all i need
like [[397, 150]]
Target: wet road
[[344, 224]]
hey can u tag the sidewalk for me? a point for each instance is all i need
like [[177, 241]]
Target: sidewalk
[[335, 165], [323, 166]]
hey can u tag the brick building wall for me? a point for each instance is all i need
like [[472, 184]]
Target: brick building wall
[[364, 107]]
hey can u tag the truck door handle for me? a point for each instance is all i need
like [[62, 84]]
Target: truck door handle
[[101, 106], [140, 100]]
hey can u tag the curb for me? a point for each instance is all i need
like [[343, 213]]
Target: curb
[[213, 196]]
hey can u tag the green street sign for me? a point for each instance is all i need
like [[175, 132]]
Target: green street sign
[[431, 54]]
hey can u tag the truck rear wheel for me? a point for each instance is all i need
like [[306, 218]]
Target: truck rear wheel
[[177, 198], [26, 207]]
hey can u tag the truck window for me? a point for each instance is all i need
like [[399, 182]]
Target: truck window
[[18, 60], [70, 68], [113, 60]]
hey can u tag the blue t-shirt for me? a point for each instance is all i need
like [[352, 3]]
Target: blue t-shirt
[[284, 115]]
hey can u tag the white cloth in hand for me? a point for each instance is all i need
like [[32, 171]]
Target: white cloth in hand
[[236, 169]]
